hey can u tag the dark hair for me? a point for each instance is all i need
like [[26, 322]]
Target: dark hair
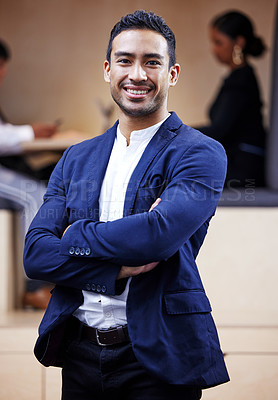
[[5, 53], [234, 24], [141, 19]]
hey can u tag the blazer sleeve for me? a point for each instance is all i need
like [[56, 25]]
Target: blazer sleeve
[[188, 201], [42, 257]]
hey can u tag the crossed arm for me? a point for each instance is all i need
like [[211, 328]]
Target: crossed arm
[[43, 259], [126, 272], [118, 247]]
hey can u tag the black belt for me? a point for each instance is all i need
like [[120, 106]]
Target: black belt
[[103, 337]]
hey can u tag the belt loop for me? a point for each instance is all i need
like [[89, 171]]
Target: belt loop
[[121, 333]]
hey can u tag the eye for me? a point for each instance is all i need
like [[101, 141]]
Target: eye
[[123, 61], [153, 62]]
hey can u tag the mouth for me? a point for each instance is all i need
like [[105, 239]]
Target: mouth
[[137, 92]]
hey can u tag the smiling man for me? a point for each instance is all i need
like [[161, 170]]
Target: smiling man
[[140, 80], [124, 217]]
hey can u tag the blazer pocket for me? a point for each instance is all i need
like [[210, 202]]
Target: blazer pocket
[[188, 302]]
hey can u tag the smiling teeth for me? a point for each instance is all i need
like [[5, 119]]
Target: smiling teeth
[[137, 91]]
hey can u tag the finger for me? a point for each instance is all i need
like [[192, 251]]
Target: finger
[[149, 267], [157, 201], [65, 230]]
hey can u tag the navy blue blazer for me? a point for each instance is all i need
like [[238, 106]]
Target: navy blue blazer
[[169, 315]]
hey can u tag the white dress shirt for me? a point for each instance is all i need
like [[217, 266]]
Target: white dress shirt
[[99, 310], [12, 135]]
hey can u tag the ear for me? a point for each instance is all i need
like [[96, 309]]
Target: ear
[[106, 71], [174, 74], [241, 42]]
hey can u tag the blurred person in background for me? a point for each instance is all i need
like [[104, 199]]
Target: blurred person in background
[[20, 186], [235, 114]]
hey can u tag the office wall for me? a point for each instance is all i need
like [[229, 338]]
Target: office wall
[[58, 49]]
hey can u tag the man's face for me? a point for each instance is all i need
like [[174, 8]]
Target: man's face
[[3, 69], [138, 72]]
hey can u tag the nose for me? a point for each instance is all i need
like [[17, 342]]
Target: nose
[[137, 73]]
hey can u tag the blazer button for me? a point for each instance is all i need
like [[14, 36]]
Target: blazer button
[[93, 286], [71, 250], [98, 288], [88, 251], [77, 251], [82, 251], [103, 289], [87, 286]]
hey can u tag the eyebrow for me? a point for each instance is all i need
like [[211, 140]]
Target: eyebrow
[[147, 55]]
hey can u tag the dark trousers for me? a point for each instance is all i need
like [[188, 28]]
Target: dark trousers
[[93, 372]]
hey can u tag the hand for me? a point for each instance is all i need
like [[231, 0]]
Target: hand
[[157, 201], [44, 130], [65, 230], [127, 272]]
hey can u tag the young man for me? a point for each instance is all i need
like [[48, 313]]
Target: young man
[[122, 223]]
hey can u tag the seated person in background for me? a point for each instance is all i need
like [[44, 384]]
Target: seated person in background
[[12, 135], [235, 115], [21, 191]]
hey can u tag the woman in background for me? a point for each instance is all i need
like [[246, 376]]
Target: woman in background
[[235, 115]]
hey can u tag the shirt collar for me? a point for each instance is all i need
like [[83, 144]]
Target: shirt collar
[[140, 135]]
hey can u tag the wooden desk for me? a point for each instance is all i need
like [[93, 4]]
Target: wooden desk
[[42, 152], [39, 145], [58, 143]]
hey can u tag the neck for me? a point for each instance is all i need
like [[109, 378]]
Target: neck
[[129, 123], [234, 66]]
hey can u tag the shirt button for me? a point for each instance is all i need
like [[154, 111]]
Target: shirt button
[[77, 251], [108, 314], [87, 251], [82, 251], [71, 250]]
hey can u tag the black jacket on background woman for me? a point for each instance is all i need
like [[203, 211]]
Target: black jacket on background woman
[[236, 122]]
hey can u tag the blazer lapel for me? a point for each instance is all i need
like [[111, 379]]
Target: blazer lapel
[[164, 135], [97, 167]]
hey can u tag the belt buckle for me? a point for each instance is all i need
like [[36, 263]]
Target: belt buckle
[[98, 340]]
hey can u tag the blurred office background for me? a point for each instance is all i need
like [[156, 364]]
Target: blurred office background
[[58, 48]]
